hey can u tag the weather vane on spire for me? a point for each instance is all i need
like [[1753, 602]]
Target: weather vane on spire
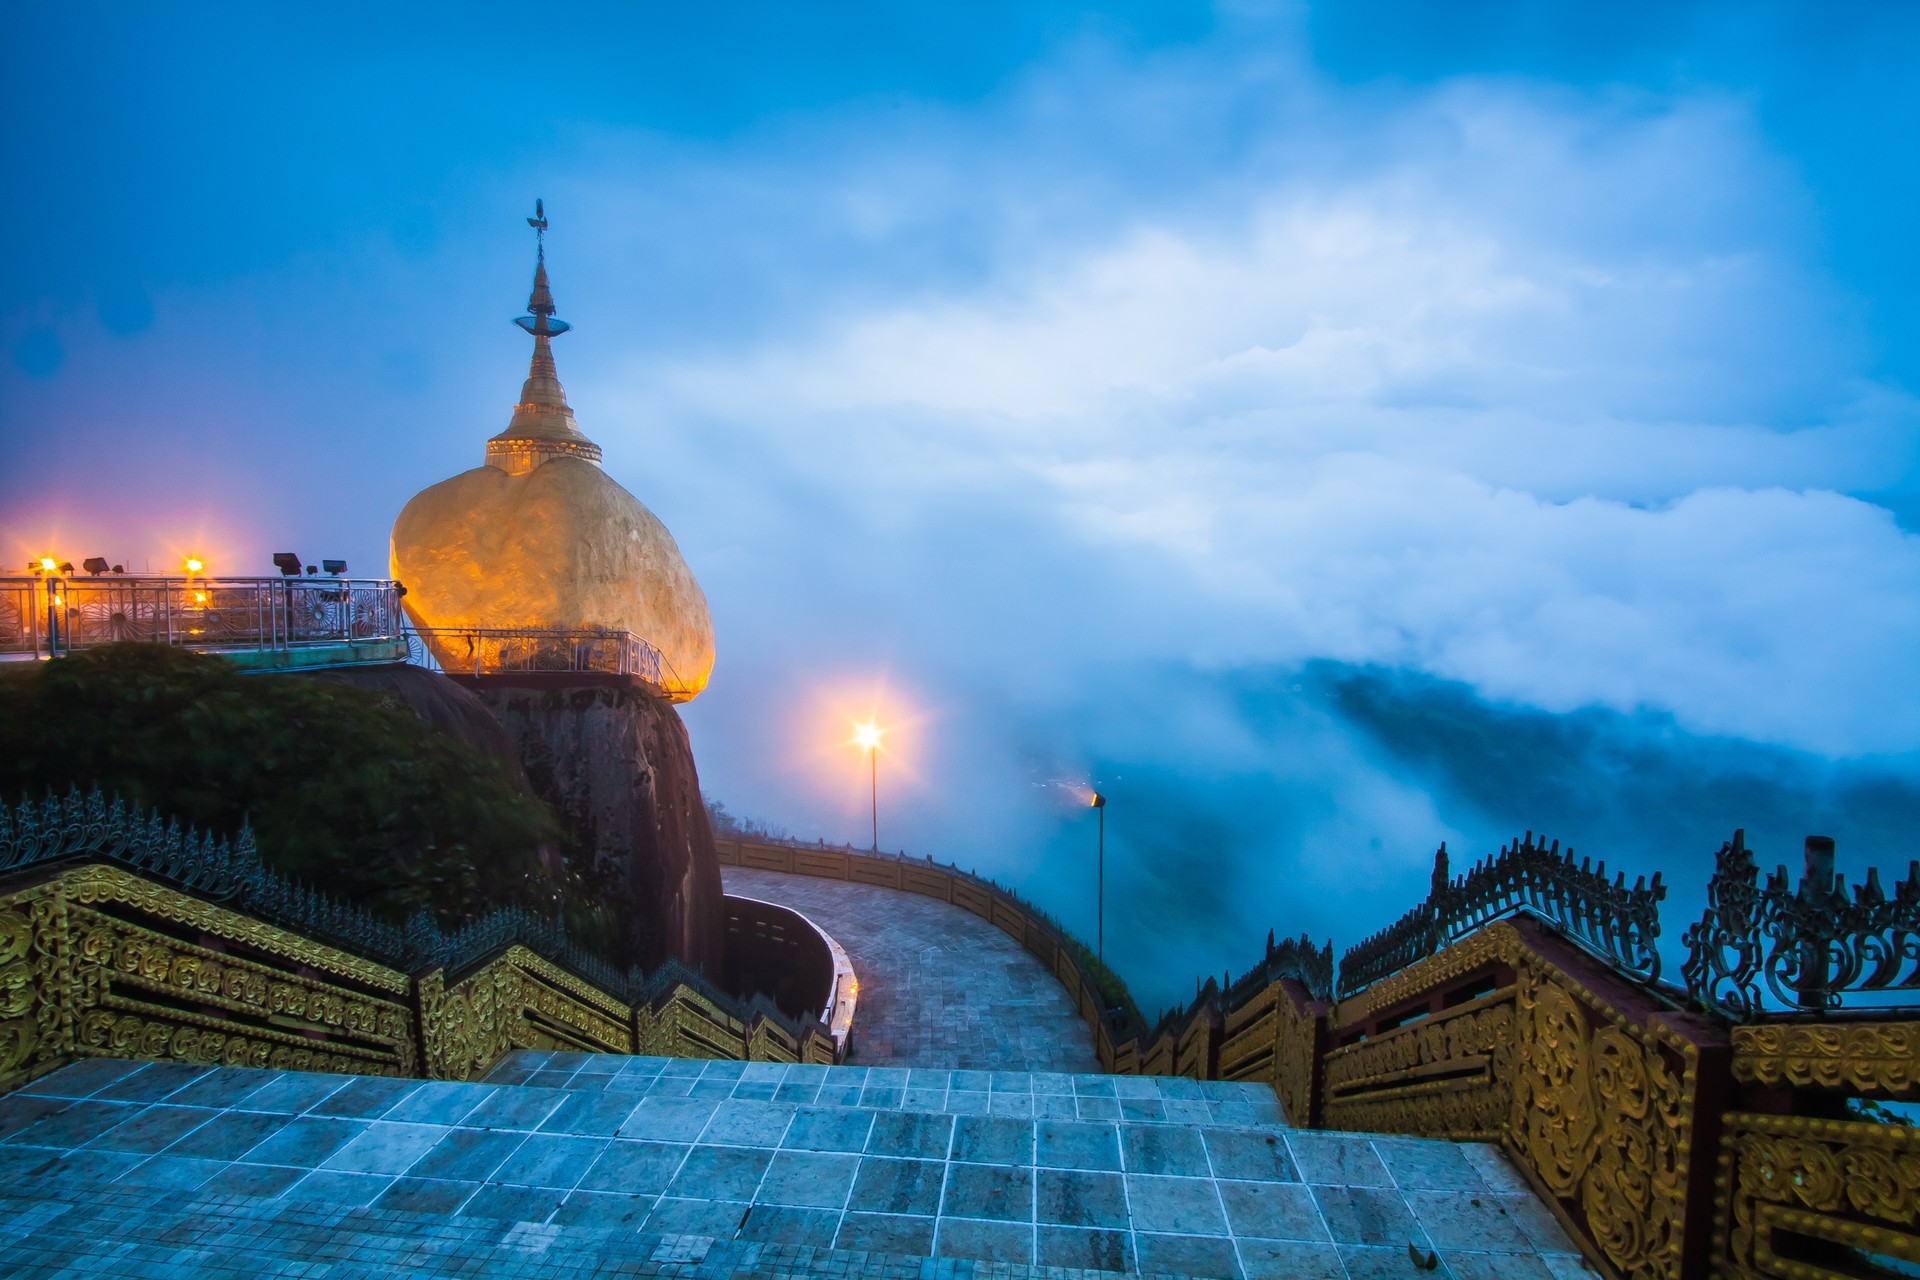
[[539, 319]]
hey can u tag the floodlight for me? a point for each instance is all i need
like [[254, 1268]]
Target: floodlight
[[334, 567], [96, 565], [287, 562]]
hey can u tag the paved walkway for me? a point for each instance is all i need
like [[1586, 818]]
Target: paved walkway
[[600, 1165], [939, 986]]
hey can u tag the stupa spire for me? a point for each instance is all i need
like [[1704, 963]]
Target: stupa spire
[[543, 425]]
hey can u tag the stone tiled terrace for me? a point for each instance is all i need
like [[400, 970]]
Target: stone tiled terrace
[[574, 1165], [939, 986]]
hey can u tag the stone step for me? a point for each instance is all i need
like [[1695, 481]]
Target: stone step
[[233, 1157], [80, 1230], [1023, 1095]]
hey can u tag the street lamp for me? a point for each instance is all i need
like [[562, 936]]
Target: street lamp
[[1099, 806], [867, 737]]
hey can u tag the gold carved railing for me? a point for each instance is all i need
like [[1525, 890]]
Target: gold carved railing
[[100, 961], [1670, 1142], [1598, 1088], [1803, 1188]]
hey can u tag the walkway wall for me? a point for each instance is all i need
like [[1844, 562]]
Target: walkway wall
[[97, 961], [122, 935], [778, 952]]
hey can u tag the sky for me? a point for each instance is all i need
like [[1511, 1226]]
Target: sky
[[1327, 429]]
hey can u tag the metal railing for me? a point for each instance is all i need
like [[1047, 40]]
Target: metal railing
[[1617, 922], [49, 616], [483, 651]]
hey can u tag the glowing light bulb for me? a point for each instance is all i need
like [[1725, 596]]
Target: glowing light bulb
[[48, 564], [195, 564], [867, 736]]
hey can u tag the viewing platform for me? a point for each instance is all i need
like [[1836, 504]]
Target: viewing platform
[[269, 623], [294, 622], [491, 651]]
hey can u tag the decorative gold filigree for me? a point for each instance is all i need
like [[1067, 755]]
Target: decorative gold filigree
[[1250, 1037], [1879, 1057], [1295, 1044], [143, 960], [578, 988], [580, 1015], [130, 1035], [768, 1043], [36, 976], [214, 1007], [1853, 1184], [1450, 1075], [1499, 942], [101, 884], [682, 1023], [1603, 1118], [19, 992], [468, 1028]]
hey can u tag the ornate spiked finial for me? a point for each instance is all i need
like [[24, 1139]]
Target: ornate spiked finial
[[539, 319], [543, 425]]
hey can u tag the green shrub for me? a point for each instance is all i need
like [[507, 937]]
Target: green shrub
[[345, 789]]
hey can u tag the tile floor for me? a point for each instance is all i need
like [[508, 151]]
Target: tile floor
[[641, 1156], [1035, 1095]]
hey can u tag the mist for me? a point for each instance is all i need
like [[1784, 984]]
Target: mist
[[1326, 442]]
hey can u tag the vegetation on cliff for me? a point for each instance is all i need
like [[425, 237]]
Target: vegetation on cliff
[[345, 788]]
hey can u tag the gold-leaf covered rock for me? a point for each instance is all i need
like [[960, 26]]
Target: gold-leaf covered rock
[[540, 538]]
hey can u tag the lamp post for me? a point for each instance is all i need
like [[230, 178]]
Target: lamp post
[[868, 736], [1099, 803]]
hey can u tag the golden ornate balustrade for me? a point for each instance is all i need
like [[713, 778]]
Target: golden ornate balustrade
[[103, 959], [1670, 1141]]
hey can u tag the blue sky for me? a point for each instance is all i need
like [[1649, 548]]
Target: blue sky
[[1332, 429]]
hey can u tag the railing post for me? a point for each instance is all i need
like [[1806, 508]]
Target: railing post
[[1816, 889]]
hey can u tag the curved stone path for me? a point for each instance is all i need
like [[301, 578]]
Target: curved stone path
[[939, 986]]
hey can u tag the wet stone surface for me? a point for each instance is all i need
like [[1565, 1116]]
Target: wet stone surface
[[578, 1164], [939, 986]]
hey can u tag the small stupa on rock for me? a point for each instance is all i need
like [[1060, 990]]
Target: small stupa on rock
[[540, 538]]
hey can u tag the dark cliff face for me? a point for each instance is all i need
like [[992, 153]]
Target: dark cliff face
[[615, 765]]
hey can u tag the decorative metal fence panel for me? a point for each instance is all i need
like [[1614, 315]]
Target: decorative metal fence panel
[[1616, 922], [49, 616], [1814, 946], [483, 651]]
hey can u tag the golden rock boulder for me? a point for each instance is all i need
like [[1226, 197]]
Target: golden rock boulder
[[541, 539]]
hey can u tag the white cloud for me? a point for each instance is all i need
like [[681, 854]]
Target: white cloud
[[1551, 408]]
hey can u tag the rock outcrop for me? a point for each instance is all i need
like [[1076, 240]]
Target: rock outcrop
[[614, 763]]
